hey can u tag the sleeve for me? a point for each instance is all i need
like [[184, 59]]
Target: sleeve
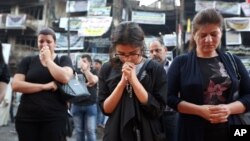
[[103, 91], [23, 66], [5, 76], [244, 89], [174, 83], [157, 97], [65, 61]]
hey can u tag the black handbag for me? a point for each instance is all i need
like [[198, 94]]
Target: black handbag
[[244, 118], [74, 90]]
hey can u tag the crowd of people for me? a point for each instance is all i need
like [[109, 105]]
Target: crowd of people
[[134, 96]]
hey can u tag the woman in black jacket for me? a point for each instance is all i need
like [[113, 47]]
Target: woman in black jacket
[[202, 83], [131, 102]]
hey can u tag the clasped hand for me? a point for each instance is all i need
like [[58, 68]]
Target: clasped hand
[[216, 113], [128, 72]]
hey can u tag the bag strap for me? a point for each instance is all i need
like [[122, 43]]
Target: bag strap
[[234, 64]]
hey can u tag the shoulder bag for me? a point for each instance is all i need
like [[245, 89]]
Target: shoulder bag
[[74, 90], [244, 117]]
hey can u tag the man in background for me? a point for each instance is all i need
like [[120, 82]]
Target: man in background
[[85, 111], [97, 64], [158, 52]]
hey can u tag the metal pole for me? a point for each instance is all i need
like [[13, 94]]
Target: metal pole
[[177, 22], [177, 26], [68, 31]]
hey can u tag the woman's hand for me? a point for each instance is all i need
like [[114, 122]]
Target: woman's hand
[[50, 86], [204, 111], [219, 113], [215, 113], [45, 55], [129, 71]]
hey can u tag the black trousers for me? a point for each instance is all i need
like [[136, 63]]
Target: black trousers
[[217, 134], [41, 131]]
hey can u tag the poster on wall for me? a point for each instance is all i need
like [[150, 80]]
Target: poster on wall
[[16, 21], [237, 24], [228, 7], [246, 9], [91, 26], [74, 23], [142, 17], [76, 6], [76, 42], [169, 40], [233, 38], [199, 5]]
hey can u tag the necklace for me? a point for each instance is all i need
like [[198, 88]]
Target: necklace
[[129, 90]]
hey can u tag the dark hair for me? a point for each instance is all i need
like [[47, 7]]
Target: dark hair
[[88, 57], [98, 61], [127, 33], [206, 16], [48, 31], [1, 54]]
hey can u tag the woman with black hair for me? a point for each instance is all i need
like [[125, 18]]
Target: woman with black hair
[[42, 113], [133, 103]]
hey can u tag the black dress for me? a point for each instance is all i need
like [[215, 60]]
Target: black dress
[[44, 112]]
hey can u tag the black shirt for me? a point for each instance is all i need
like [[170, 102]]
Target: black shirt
[[43, 105]]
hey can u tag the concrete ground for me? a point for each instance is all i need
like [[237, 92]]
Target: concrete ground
[[7, 133]]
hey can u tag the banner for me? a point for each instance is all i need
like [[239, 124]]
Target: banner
[[169, 40], [94, 26], [96, 3], [237, 24], [99, 11], [232, 8], [200, 5], [76, 42], [74, 23], [246, 9], [233, 38], [16, 21], [157, 18], [76, 6]]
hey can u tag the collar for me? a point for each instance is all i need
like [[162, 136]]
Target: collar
[[166, 62]]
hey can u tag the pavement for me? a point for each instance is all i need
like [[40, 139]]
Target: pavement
[[8, 133]]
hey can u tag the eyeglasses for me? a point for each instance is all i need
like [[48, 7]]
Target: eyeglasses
[[158, 50], [132, 55]]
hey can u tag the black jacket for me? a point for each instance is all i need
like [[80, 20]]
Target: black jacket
[[185, 71], [120, 124]]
